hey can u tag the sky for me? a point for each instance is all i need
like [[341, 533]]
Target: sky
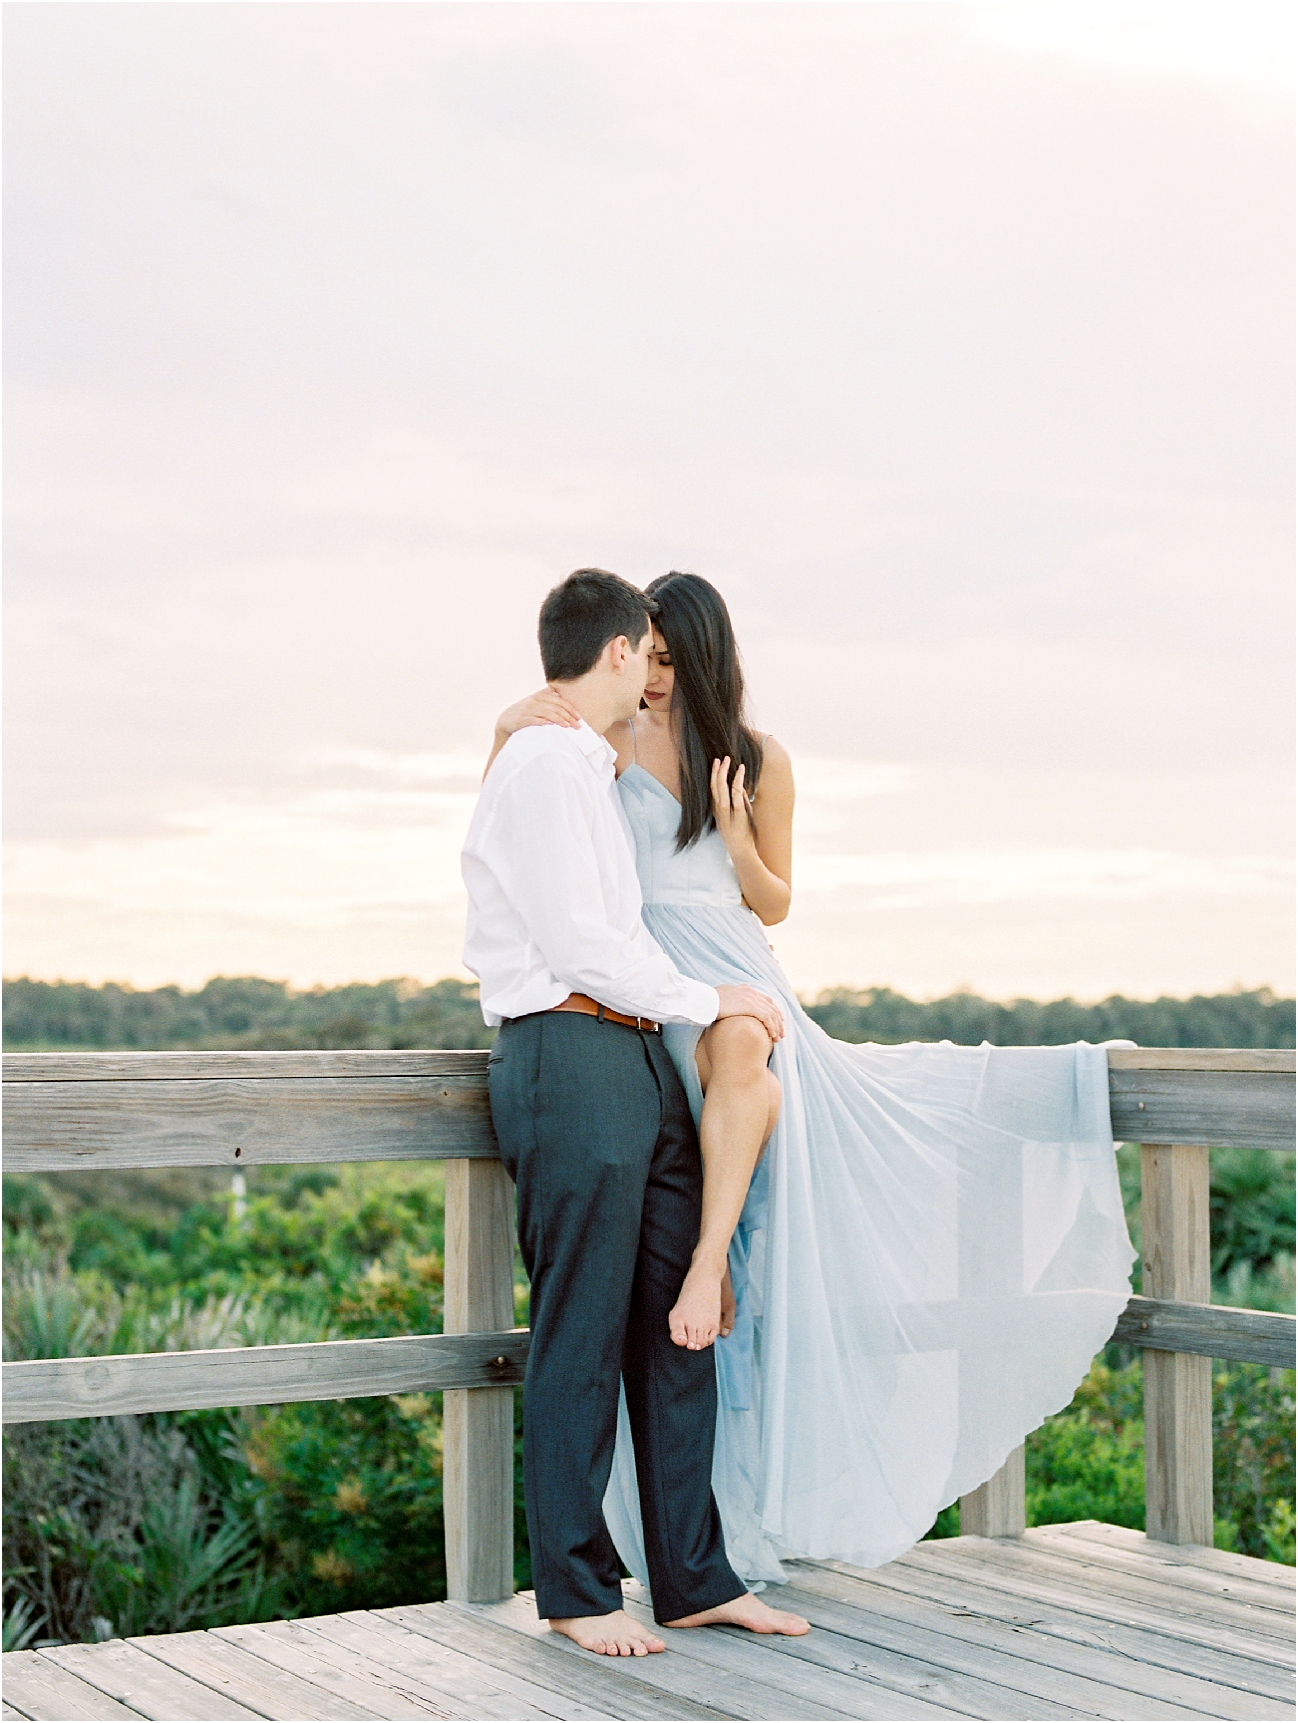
[[952, 342]]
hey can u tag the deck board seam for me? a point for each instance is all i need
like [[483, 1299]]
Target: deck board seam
[[273, 1670], [1084, 1633], [776, 1645], [500, 1678], [1095, 1609], [1038, 1661]]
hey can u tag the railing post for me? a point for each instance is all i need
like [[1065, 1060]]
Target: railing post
[[1178, 1387], [478, 1423], [990, 1265], [998, 1508]]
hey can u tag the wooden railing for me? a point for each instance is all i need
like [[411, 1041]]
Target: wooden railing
[[104, 1111], [1175, 1102]]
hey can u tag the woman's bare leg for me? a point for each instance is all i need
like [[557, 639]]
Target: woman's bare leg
[[740, 1108]]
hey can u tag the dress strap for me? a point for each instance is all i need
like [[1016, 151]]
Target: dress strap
[[630, 724]]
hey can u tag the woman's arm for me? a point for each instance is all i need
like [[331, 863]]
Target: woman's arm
[[761, 847], [544, 707]]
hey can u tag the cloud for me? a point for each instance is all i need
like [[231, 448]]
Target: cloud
[[958, 359], [353, 873], [1245, 42], [901, 881]]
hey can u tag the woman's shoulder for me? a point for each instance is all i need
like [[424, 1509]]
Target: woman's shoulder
[[621, 738], [776, 761]]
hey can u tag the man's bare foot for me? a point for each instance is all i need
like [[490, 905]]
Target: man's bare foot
[[615, 1635], [694, 1321], [728, 1305], [750, 1612]]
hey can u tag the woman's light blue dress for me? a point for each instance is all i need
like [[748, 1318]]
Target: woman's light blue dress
[[932, 1251]]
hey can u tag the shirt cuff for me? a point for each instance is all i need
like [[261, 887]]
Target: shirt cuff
[[703, 1003]]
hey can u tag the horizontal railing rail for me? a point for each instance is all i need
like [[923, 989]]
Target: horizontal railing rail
[[64, 1111], [1208, 1331], [49, 1388], [81, 1111], [1232, 1099], [91, 1111]]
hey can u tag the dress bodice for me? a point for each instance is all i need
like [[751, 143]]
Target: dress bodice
[[701, 874]]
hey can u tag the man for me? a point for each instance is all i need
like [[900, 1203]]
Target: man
[[595, 1129]]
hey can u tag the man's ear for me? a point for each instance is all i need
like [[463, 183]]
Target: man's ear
[[619, 650]]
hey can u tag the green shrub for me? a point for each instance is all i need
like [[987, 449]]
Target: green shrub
[[1253, 1460], [1087, 1463], [348, 1495], [159, 1523], [113, 1526]]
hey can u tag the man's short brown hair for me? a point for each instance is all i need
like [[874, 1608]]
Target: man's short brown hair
[[582, 614]]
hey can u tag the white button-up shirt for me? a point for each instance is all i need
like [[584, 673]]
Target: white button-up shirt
[[554, 902]]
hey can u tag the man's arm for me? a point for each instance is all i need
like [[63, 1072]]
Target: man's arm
[[545, 859]]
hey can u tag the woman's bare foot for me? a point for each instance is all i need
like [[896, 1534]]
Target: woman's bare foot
[[694, 1321], [750, 1612], [615, 1635], [728, 1306]]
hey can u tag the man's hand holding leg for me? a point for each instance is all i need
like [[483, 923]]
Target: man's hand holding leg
[[750, 1002]]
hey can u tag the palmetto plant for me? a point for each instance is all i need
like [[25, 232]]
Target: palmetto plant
[[21, 1621]]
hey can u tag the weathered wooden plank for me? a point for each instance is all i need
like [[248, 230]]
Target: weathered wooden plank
[[478, 1423], [50, 1388], [1006, 1686], [402, 1672], [870, 1680], [1203, 1582], [287, 1646], [997, 1509], [7, 1710], [44, 1689], [366, 1654], [600, 1682], [1185, 1609], [248, 1679], [244, 1122], [484, 1692], [1019, 1608], [1270, 1573], [405, 1104], [126, 1674], [1278, 1061], [1178, 1387], [683, 1677], [70, 1388], [1014, 1655], [1208, 1331], [85, 1067], [998, 1571], [1224, 1109]]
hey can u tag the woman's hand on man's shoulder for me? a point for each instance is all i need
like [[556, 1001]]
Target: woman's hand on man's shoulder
[[546, 706]]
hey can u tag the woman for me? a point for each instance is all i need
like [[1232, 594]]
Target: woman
[[931, 1249]]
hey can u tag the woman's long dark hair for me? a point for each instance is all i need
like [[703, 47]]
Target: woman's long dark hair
[[708, 704]]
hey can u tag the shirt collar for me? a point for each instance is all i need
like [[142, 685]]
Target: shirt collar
[[601, 754]]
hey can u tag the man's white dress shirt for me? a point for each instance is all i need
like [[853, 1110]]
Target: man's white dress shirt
[[554, 902]]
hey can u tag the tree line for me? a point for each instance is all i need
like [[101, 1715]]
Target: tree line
[[233, 1012]]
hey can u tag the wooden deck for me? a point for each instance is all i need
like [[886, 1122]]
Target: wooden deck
[[1082, 1620]]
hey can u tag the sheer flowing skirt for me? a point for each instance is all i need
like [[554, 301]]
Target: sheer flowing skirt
[[932, 1251]]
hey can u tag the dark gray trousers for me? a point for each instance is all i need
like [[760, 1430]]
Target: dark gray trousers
[[596, 1132]]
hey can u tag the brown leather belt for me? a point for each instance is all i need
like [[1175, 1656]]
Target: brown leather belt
[[592, 1008]]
